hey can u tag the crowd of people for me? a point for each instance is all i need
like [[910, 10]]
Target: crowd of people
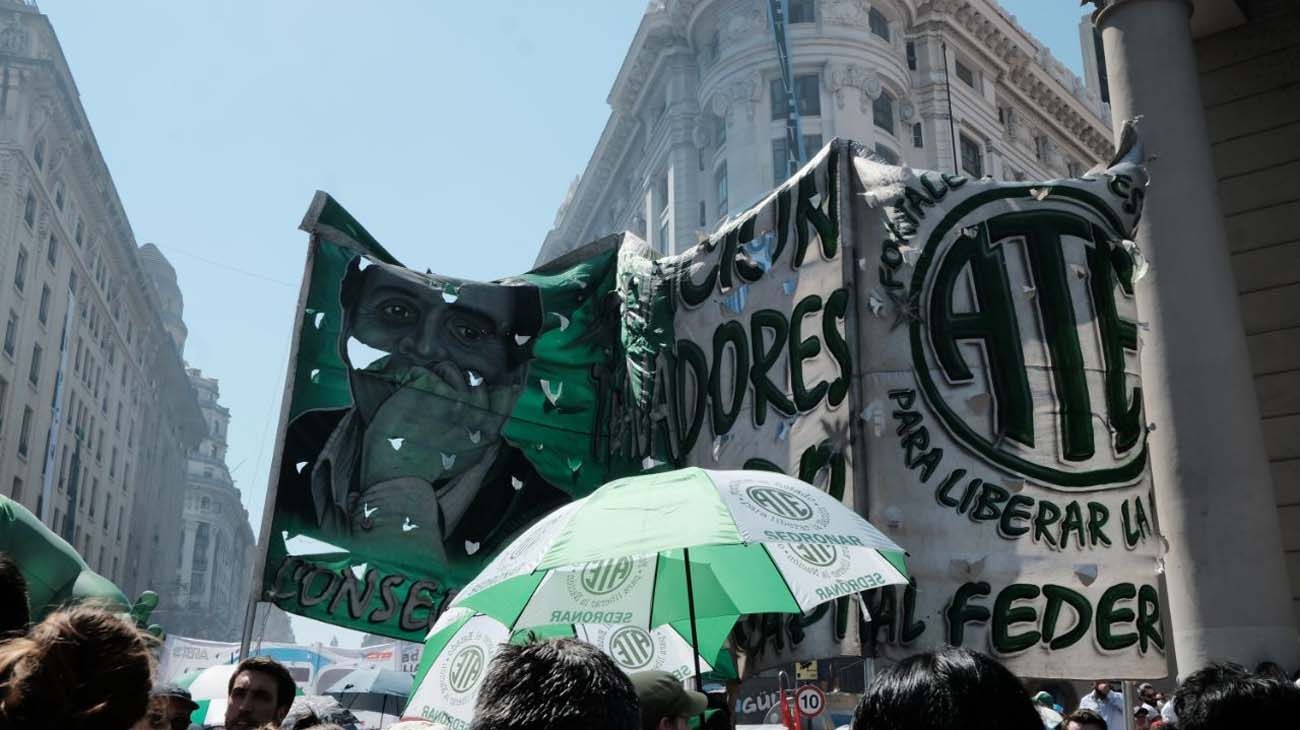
[[85, 668]]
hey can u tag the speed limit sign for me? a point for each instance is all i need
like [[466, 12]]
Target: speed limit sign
[[811, 700]]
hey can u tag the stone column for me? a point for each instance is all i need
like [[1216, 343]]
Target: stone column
[[1228, 591]]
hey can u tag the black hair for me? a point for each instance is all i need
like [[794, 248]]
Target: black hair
[[285, 687], [15, 614], [558, 684], [1227, 696], [947, 689], [1084, 719]]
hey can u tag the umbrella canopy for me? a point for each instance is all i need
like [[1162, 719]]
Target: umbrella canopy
[[462, 644], [373, 681], [687, 544]]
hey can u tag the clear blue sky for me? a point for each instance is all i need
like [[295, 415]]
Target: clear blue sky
[[451, 130]]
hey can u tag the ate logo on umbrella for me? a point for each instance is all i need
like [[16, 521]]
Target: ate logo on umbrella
[[605, 582], [606, 576], [465, 669], [818, 556], [632, 648]]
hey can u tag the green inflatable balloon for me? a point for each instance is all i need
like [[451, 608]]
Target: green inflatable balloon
[[56, 575]]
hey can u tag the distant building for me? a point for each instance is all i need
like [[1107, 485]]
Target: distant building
[[696, 130], [83, 337], [217, 548]]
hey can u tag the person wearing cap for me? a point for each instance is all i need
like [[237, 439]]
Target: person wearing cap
[[665, 703], [1142, 717], [169, 708]]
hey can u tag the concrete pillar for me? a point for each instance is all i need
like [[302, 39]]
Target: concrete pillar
[[1228, 592]]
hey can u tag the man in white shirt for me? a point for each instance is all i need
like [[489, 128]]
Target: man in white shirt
[[1105, 702]]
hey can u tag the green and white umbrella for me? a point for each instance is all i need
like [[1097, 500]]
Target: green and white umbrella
[[462, 644], [685, 545]]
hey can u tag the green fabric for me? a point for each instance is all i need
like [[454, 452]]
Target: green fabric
[[726, 580], [56, 575], [618, 519], [434, 645], [505, 600]]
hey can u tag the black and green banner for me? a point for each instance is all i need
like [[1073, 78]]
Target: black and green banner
[[955, 358]]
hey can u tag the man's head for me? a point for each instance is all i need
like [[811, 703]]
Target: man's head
[[665, 704], [260, 691], [1084, 720], [1141, 717], [1101, 687], [947, 689], [14, 611], [169, 708], [1147, 692], [464, 332], [1228, 696], [558, 684], [1044, 699]]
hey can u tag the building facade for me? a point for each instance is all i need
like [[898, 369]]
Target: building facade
[[696, 130], [96, 412], [1217, 87], [217, 544]]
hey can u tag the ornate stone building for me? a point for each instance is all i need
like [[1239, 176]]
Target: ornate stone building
[[217, 547], [96, 412], [693, 134]]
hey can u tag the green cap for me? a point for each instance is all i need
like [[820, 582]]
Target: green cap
[[662, 695]]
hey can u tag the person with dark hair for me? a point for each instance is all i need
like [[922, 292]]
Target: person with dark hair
[[1226, 696], [556, 684], [948, 689], [665, 703], [79, 669], [170, 706], [1084, 720], [15, 613], [261, 690], [1106, 701]]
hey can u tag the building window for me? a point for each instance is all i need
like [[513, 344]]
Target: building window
[[108, 510], [1040, 148], [715, 46], [807, 94], [58, 196], [720, 185], [964, 73], [972, 158], [38, 153], [20, 269], [34, 374], [911, 56], [16, 494], [52, 251], [878, 23], [918, 139], [882, 112], [720, 131], [887, 155], [1073, 169], [43, 311], [25, 432], [11, 333], [80, 235], [29, 210], [802, 11], [661, 236], [4, 399]]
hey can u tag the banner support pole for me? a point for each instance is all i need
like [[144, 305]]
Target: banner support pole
[[272, 481]]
